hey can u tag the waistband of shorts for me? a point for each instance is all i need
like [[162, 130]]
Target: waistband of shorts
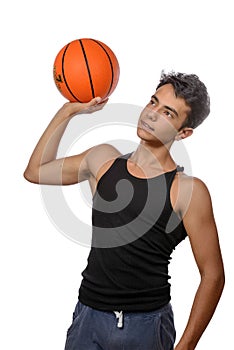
[[132, 314]]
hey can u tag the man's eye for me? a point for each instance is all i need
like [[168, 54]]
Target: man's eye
[[152, 102], [168, 114]]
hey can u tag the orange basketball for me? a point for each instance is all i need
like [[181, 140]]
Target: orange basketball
[[84, 69]]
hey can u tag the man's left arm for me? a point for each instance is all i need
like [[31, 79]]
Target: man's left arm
[[200, 225]]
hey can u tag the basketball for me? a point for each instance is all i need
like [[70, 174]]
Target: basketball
[[84, 69]]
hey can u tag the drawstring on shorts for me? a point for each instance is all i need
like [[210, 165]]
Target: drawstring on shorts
[[119, 315]]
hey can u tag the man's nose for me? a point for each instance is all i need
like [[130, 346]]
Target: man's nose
[[153, 115]]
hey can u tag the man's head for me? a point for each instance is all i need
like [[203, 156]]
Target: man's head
[[193, 91], [179, 104]]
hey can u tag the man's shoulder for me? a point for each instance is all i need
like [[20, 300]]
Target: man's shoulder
[[101, 156], [106, 147], [104, 151], [191, 182], [191, 191]]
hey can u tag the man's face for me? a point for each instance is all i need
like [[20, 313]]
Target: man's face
[[162, 117]]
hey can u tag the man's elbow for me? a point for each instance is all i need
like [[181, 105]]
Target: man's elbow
[[221, 279], [31, 176], [215, 278]]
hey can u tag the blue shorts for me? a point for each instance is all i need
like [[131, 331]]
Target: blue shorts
[[92, 329]]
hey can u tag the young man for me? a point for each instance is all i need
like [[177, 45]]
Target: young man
[[124, 297]]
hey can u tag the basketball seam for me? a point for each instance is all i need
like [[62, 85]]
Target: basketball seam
[[64, 77], [111, 65], [87, 66]]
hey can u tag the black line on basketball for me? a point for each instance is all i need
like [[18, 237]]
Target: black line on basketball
[[112, 69], [87, 65], [64, 76]]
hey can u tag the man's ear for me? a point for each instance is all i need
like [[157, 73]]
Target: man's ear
[[184, 133]]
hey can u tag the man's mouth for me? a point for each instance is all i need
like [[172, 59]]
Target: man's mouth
[[146, 126]]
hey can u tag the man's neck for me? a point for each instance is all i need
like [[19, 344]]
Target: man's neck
[[148, 156]]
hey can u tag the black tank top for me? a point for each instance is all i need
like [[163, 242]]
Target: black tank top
[[135, 230]]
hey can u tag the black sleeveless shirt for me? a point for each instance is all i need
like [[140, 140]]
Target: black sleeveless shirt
[[135, 230]]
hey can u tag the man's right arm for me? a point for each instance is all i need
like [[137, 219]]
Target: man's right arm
[[43, 167]]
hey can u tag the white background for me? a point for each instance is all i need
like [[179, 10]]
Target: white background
[[40, 268]]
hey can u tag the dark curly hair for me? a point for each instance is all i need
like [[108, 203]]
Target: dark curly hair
[[193, 91]]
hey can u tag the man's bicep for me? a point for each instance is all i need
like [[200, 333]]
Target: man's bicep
[[74, 169], [65, 171], [81, 167], [202, 231]]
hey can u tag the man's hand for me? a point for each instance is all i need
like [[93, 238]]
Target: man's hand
[[71, 109]]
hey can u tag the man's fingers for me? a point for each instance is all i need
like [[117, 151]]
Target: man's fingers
[[94, 101]]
